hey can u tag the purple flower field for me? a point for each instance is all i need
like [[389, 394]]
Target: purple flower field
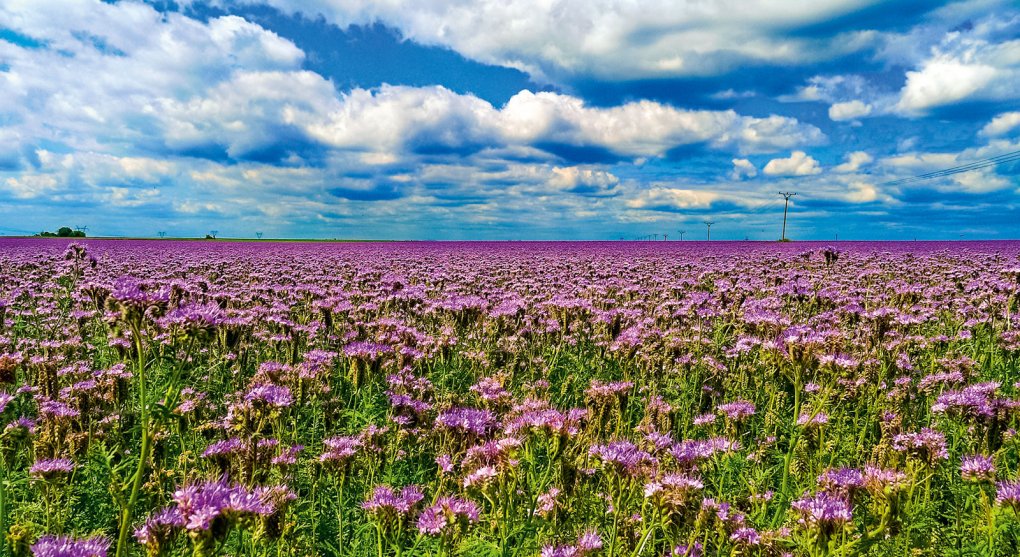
[[509, 399]]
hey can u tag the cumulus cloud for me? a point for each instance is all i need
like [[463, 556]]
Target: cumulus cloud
[[849, 110], [799, 163], [853, 162], [664, 198], [395, 117], [589, 181], [1002, 124], [962, 68], [743, 168], [610, 39]]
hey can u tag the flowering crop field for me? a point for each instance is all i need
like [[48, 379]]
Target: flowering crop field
[[518, 399]]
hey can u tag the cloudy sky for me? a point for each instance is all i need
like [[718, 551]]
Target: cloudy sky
[[541, 119]]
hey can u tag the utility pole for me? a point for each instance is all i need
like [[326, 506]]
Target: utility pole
[[786, 195], [709, 224], [665, 236]]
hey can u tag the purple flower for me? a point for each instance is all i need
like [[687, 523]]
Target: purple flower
[[589, 541], [737, 410], [51, 468], [693, 550], [746, 536], [625, 457], [66, 546], [225, 448], [448, 515], [202, 504], [822, 511], [388, 506], [158, 528], [977, 468], [367, 351], [1008, 493], [928, 445], [340, 450], [841, 480], [271, 395], [673, 491], [5, 399], [883, 482], [815, 419], [467, 420]]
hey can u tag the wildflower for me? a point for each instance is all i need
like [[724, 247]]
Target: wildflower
[[388, 506], [704, 419], [673, 491], [822, 512], [841, 481], [623, 456], [467, 420], [1008, 493], [339, 450], [977, 468], [693, 550], [883, 482], [48, 469], [66, 546], [928, 445], [158, 528], [809, 419], [547, 502], [746, 536], [600, 391], [736, 411], [447, 515], [270, 395]]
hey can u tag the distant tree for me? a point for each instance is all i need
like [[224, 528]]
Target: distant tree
[[213, 233], [258, 235], [62, 232]]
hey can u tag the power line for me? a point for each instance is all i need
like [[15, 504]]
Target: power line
[[975, 165]]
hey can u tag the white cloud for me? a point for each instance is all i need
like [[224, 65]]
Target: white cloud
[[849, 110], [1002, 124], [394, 117], [662, 197], [854, 162], [611, 39], [583, 180], [743, 168], [962, 68], [798, 164], [861, 192]]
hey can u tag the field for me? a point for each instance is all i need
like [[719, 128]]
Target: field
[[510, 399]]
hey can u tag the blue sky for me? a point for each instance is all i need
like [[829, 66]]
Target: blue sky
[[487, 119]]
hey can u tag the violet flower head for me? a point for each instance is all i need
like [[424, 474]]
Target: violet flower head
[[977, 468], [447, 516], [51, 468], [625, 457], [1008, 493], [385, 502], [271, 395], [737, 410], [823, 512], [66, 546], [467, 420]]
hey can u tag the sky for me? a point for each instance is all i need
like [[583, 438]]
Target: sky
[[509, 120]]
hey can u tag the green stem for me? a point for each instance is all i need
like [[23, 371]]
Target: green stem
[[143, 455]]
